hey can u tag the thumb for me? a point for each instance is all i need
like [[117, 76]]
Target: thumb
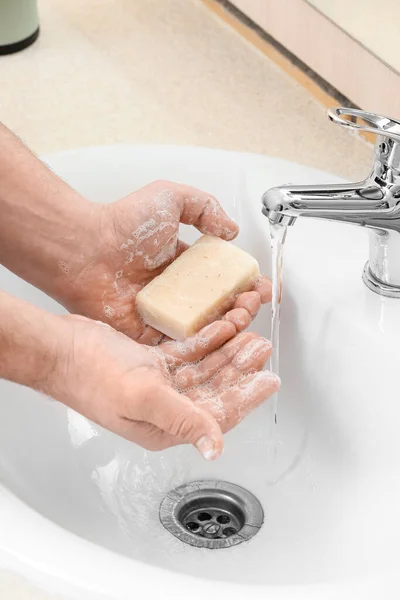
[[205, 212], [176, 415]]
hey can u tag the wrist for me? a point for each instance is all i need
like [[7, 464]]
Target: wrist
[[45, 225], [72, 254], [30, 341]]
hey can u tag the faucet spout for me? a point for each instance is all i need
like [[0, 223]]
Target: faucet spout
[[373, 203], [361, 203]]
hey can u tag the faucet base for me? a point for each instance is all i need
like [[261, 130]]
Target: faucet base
[[377, 286]]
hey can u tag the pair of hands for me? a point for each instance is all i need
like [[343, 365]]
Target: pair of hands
[[150, 390]]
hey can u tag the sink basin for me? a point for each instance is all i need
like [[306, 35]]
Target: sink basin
[[79, 506]]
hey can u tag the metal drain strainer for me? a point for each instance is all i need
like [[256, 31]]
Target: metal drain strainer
[[211, 514]]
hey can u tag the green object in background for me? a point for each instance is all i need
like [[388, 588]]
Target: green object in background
[[19, 25]]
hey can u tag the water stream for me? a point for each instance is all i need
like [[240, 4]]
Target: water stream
[[278, 235]]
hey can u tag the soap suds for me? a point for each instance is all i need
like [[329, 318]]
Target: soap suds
[[157, 339], [190, 345], [109, 311], [251, 351], [159, 231], [144, 230], [224, 392], [211, 403], [248, 389], [213, 214], [163, 257]]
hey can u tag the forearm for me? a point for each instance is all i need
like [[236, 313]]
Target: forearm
[[29, 343], [43, 221]]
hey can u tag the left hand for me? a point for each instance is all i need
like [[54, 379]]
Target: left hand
[[133, 241], [187, 392]]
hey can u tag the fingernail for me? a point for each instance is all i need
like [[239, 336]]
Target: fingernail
[[273, 377], [206, 447], [268, 343], [268, 377], [278, 380]]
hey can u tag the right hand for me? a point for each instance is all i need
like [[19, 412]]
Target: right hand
[[124, 245], [178, 393]]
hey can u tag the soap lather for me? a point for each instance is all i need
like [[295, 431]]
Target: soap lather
[[197, 288]]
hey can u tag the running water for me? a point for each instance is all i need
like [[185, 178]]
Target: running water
[[278, 235]]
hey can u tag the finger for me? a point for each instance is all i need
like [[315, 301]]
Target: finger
[[177, 416], [233, 405], [147, 435], [204, 212], [132, 328], [181, 247], [263, 286], [240, 318], [252, 357], [150, 336], [189, 376], [250, 301], [197, 347]]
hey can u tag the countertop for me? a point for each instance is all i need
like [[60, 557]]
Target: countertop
[[159, 72]]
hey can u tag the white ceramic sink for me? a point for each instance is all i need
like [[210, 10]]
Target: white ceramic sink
[[79, 506]]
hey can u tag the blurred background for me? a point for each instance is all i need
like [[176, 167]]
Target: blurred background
[[197, 72]]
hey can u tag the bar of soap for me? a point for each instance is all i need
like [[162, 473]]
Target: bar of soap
[[197, 287]]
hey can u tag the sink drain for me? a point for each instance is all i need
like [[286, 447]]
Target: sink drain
[[211, 514]]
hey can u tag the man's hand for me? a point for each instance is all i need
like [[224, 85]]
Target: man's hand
[[137, 237], [187, 392], [92, 258], [178, 393]]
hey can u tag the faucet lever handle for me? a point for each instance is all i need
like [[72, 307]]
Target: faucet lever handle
[[373, 123]]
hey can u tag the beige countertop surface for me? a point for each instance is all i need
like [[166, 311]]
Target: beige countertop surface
[[159, 72]]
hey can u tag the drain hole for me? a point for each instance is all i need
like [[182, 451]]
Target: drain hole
[[228, 531], [223, 519], [211, 514], [204, 516]]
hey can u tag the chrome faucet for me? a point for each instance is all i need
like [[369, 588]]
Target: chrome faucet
[[373, 203]]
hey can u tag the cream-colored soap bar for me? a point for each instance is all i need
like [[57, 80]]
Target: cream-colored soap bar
[[197, 287]]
